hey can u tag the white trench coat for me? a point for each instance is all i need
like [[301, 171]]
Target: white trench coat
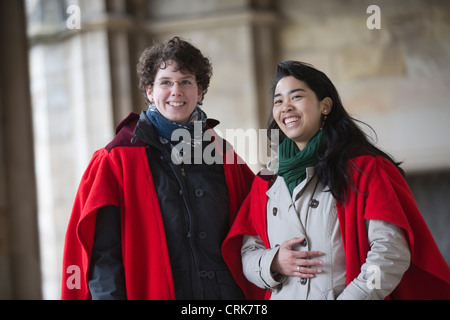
[[294, 216]]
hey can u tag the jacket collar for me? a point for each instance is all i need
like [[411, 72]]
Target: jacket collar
[[279, 183], [145, 130]]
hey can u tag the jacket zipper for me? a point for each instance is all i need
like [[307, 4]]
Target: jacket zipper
[[182, 183]]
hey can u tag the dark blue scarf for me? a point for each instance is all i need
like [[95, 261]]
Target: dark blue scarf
[[165, 128]]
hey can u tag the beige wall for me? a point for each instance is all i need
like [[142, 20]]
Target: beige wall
[[397, 78]]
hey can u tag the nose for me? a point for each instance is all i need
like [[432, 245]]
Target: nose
[[286, 107], [176, 89]]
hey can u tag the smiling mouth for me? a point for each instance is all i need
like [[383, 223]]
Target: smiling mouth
[[290, 120], [176, 104]]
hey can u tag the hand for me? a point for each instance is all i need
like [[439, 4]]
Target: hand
[[287, 260]]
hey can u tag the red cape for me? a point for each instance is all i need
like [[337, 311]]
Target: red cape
[[120, 175], [383, 195]]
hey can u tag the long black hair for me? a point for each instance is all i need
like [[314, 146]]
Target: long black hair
[[342, 138]]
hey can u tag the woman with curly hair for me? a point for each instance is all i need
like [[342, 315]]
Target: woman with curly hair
[[150, 216]]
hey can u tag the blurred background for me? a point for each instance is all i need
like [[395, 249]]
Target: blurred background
[[67, 78]]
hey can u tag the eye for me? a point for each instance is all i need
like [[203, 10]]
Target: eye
[[186, 83], [277, 102], [165, 82]]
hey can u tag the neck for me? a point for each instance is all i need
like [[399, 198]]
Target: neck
[[301, 145]]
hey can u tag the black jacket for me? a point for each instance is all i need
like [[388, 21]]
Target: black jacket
[[193, 201]]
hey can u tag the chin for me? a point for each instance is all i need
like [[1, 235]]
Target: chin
[[294, 136]]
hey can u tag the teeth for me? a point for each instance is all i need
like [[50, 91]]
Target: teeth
[[176, 104], [290, 120]]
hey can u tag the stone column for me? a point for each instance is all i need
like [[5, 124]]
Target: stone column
[[19, 246], [72, 112]]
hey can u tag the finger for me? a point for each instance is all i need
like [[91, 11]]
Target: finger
[[303, 275], [292, 242], [308, 262], [306, 270], [307, 254]]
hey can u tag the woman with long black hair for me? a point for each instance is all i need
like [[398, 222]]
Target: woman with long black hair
[[333, 217]]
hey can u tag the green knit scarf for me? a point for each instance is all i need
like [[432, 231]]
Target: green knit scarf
[[293, 162]]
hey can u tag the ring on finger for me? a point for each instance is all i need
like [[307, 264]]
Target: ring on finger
[[298, 269]]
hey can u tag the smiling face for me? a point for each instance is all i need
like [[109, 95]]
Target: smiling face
[[174, 103], [297, 111]]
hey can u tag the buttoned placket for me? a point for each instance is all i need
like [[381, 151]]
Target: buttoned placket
[[291, 209], [297, 194], [297, 202], [303, 213]]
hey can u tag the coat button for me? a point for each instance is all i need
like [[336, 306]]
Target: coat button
[[303, 281], [207, 274], [199, 193], [314, 203], [275, 211], [202, 235], [304, 243]]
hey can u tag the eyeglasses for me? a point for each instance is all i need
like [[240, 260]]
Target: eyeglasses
[[167, 84]]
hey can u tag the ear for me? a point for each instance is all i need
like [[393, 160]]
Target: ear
[[326, 105], [200, 94], [149, 92]]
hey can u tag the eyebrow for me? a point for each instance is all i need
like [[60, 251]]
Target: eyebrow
[[290, 92], [183, 78]]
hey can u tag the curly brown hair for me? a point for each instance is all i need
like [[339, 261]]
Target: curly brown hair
[[188, 58]]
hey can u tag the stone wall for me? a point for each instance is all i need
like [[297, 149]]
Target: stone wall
[[395, 78]]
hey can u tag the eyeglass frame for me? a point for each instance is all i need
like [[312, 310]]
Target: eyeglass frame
[[172, 83]]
